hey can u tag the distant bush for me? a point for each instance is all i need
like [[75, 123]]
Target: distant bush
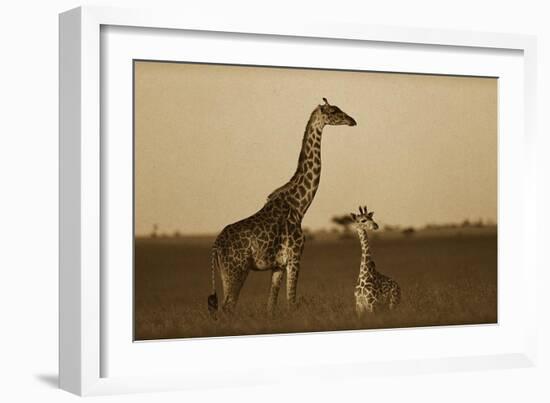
[[308, 234], [347, 235], [408, 231]]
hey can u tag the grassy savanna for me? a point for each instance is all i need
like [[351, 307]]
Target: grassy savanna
[[446, 279]]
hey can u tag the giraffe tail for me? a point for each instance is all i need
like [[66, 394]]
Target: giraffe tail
[[213, 298]]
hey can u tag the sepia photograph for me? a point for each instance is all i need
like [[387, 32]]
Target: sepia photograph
[[273, 200]]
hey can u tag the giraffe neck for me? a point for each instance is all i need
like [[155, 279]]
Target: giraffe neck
[[366, 270], [305, 180], [300, 190]]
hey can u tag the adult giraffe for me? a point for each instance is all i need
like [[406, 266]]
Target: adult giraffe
[[272, 238]]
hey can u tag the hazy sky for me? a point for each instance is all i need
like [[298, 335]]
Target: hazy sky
[[211, 142]]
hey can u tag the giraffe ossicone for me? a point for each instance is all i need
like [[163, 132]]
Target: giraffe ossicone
[[373, 289], [272, 238]]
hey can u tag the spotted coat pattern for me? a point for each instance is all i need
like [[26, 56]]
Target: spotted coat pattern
[[272, 238], [373, 289]]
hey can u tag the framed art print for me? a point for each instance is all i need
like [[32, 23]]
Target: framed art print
[[241, 191], [426, 162]]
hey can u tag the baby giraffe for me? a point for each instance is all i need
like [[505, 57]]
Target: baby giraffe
[[373, 288]]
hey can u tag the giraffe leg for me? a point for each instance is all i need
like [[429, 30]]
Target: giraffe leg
[[392, 299], [371, 303], [296, 245], [276, 279], [292, 270], [395, 297], [232, 282], [359, 309]]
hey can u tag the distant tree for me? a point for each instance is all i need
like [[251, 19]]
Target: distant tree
[[155, 231], [344, 221], [391, 228], [466, 223], [176, 234]]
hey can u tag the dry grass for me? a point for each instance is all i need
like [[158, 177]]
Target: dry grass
[[444, 281]]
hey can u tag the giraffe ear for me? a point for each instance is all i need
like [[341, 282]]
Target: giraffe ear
[[370, 214], [353, 216]]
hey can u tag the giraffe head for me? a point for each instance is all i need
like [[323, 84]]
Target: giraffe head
[[332, 115], [364, 220]]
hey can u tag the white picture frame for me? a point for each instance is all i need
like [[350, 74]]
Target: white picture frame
[[84, 336]]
